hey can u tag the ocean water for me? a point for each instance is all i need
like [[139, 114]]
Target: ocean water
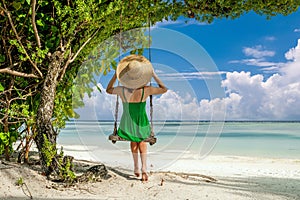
[[200, 139]]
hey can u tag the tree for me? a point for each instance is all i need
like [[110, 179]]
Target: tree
[[47, 40]]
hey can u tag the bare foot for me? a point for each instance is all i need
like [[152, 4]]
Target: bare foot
[[136, 172], [144, 177]]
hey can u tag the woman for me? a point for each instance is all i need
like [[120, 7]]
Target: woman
[[135, 72]]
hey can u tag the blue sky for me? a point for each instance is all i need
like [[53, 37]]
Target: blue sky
[[242, 69]]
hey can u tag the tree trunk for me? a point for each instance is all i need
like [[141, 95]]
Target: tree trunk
[[45, 110]]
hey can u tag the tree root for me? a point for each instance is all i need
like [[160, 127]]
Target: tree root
[[29, 193], [188, 175]]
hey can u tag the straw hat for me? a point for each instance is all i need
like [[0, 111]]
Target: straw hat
[[134, 71]]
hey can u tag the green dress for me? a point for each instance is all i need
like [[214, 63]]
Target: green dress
[[134, 125]]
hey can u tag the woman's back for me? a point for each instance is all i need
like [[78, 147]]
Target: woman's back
[[139, 94], [133, 95]]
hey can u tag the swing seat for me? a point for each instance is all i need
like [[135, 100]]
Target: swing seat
[[114, 138]]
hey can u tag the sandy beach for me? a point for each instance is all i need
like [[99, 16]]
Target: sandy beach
[[235, 178]]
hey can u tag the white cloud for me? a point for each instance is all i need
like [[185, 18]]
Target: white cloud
[[252, 98], [166, 23], [297, 30], [270, 38], [218, 109], [292, 68], [258, 57], [294, 53], [255, 62], [99, 106], [179, 76], [173, 106], [276, 98], [257, 52]]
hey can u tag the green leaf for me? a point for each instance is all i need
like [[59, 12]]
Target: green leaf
[[17, 5], [40, 22], [4, 141], [99, 89], [2, 58], [114, 65], [28, 2], [70, 113], [20, 181], [13, 42], [1, 88], [133, 51]]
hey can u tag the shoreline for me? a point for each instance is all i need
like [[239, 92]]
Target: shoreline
[[226, 121]]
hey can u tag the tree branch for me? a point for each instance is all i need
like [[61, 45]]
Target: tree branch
[[21, 98], [14, 122], [70, 60], [16, 73], [19, 39], [84, 44], [36, 34], [61, 75], [16, 118]]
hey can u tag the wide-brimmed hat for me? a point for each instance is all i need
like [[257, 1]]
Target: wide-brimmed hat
[[134, 71]]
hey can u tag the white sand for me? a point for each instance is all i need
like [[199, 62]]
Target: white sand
[[237, 178], [237, 166]]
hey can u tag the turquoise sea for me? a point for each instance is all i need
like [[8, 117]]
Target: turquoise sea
[[176, 138]]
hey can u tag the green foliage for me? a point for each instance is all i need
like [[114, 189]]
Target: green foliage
[[1, 88], [20, 110], [24, 113], [48, 150], [63, 109], [2, 58], [6, 140], [66, 173], [20, 181], [65, 168]]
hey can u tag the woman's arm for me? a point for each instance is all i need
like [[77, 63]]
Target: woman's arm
[[161, 86], [110, 89]]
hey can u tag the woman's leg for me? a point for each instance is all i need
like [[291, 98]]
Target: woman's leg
[[135, 150], [143, 154]]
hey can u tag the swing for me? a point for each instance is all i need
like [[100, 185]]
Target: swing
[[114, 137]]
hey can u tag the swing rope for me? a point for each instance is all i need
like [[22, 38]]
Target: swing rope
[[151, 97], [117, 101]]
